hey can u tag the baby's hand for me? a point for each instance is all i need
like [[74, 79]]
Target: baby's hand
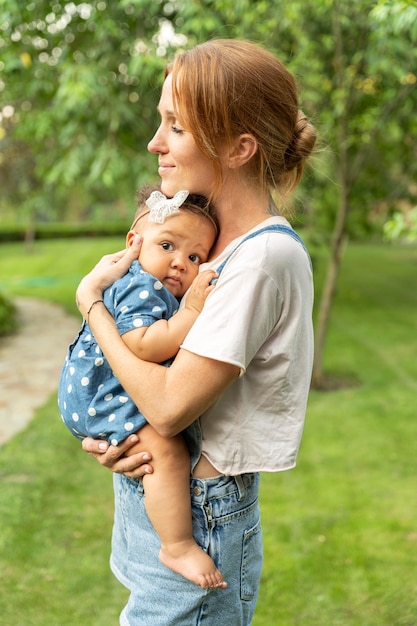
[[199, 290]]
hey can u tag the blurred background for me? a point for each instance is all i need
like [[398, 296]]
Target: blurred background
[[79, 86]]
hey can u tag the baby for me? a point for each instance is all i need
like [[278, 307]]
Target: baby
[[178, 234]]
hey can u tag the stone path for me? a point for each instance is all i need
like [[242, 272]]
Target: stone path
[[31, 361]]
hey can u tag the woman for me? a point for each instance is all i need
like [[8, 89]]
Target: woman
[[231, 129]]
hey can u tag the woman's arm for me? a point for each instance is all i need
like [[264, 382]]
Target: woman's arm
[[170, 398], [173, 397]]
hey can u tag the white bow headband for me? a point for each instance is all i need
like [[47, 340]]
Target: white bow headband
[[162, 207]]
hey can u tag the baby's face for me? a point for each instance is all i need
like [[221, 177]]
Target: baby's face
[[173, 251]]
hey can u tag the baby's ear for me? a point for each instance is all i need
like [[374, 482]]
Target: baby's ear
[[129, 238]]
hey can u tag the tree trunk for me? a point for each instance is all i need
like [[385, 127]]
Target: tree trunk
[[30, 234], [329, 288], [338, 236]]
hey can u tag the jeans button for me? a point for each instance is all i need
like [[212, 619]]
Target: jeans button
[[197, 491]]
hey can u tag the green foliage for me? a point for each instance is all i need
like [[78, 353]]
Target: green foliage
[[8, 318], [402, 226], [82, 81], [398, 15], [363, 104], [79, 84]]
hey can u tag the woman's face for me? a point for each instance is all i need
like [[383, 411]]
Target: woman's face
[[181, 163]]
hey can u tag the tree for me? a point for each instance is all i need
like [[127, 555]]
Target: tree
[[367, 102], [83, 80], [79, 84]]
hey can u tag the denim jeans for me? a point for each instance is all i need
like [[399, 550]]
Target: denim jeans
[[226, 523]]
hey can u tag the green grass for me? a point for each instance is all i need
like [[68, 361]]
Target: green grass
[[340, 530], [53, 269]]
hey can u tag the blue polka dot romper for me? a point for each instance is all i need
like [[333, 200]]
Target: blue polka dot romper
[[91, 400]]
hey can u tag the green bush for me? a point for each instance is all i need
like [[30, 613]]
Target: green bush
[[60, 230], [8, 316]]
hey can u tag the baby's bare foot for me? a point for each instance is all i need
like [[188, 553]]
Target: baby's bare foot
[[193, 563]]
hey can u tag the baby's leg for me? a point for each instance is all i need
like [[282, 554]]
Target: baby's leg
[[168, 504]]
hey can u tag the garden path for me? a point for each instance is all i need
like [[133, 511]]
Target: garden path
[[31, 361]]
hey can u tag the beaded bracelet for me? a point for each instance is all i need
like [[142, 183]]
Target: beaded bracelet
[[89, 310]]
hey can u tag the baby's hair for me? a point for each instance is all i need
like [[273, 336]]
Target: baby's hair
[[194, 203]]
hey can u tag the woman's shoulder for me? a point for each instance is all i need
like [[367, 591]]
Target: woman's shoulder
[[272, 244]]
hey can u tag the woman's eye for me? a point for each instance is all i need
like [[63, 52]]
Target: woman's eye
[[194, 258], [177, 130], [167, 246]]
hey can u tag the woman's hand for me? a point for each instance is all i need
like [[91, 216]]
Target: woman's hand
[[113, 457], [109, 269]]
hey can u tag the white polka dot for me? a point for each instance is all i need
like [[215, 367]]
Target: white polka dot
[[137, 323], [72, 370], [65, 406], [123, 399], [129, 426], [75, 417], [112, 417], [100, 387], [144, 294], [157, 285], [108, 397], [92, 412], [156, 309], [97, 350], [84, 381], [99, 361], [88, 338], [81, 353], [114, 442], [69, 388], [124, 309]]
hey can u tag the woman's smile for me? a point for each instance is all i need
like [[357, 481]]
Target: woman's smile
[[164, 169]]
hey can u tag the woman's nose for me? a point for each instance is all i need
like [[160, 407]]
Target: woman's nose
[[156, 144]]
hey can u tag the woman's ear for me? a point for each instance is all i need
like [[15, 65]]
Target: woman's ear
[[242, 150]]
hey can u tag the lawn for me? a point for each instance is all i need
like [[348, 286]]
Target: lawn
[[340, 531]]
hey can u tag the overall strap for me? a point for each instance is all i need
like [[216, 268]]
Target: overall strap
[[277, 228]]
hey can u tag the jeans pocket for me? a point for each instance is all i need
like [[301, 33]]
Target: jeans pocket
[[251, 566]]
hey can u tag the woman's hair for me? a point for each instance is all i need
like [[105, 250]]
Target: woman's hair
[[194, 203], [224, 88]]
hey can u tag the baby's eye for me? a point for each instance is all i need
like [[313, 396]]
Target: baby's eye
[[167, 246], [194, 258]]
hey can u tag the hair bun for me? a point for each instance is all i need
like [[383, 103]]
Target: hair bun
[[302, 143]]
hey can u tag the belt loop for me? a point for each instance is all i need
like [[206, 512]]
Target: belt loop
[[240, 487]]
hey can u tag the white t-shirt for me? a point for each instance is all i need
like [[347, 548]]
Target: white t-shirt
[[259, 317]]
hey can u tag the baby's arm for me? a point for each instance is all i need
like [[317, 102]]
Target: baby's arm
[[162, 340]]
